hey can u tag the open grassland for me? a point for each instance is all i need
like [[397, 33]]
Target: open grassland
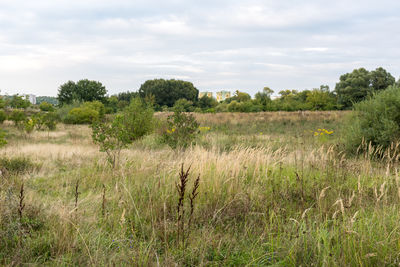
[[272, 192]]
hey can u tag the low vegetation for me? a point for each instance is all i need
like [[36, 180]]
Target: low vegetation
[[304, 188]]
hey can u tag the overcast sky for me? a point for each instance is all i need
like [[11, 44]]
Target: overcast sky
[[225, 44]]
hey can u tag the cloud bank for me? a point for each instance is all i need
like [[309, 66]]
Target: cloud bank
[[229, 45]]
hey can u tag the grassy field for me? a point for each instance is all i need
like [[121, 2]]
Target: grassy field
[[273, 191]]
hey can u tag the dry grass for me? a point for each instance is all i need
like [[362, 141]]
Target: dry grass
[[264, 204]]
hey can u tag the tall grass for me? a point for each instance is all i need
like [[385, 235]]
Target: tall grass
[[272, 200]]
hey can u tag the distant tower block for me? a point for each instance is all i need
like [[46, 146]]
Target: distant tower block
[[222, 95], [208, 94], [32, 99]]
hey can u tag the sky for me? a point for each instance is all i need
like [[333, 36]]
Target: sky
[[216, 45]]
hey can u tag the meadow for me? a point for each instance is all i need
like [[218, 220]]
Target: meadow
[[275, 189]]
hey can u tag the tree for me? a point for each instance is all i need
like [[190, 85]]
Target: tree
[[90, 91], [111, 138], [321, 99], [167, 92], [264, 97], [18, 101], [381, 79], [135, 122], [184, 105], [356, 86], [206, 102], [67, 93], [83, 91]]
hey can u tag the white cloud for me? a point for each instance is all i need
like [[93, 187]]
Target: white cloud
[[215, 44]]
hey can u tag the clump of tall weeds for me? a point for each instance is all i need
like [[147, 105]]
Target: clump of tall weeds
[[183, 228], [17, 165]]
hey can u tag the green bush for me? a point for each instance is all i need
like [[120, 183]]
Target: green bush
[[95, 105], [29, 125], [44, 106], [375, 121], [3, 116], [17, 165], [137, 119], [82, 115], [182, 129], [50, 120], [17, 116], [111, 138], [62, 112]]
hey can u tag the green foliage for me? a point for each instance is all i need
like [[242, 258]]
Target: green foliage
[[375, 121], [17, 165], [49, 99], [82, 115], [18, 101], [29, 125], [95, 105], [111, 105], [135, 122], [127, 96], [358, 85], [2, 102], [111, 138], [83, 91], [3, 116], [264, 97], [62, 112], [137, 119], [3, 140], [38, 119], [206, 102], [45, 119], [17, 116], [44, 106], [167, 92], [321, 99], [50, 120], [184, 105], [182, 129]]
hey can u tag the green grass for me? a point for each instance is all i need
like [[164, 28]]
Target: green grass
[[282, 198]]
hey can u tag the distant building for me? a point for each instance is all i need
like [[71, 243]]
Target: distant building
[[222, 95], [208, 94], [32, 99]]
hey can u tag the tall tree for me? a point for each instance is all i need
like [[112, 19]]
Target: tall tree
[[84, 90], [67, 93], [356, 86], [167, 92]]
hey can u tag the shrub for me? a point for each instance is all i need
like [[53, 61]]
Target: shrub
[[17, 116], [38, 119], [182, 130], [82, 115], [375, 121], [95, 105], [44, 106], [17, 165], [137, 119], [29, 125], [111, 138], [3, 116], [62, 112], [135, 122], [50, 120]]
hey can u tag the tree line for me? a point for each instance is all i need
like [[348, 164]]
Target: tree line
[[164, 95]]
